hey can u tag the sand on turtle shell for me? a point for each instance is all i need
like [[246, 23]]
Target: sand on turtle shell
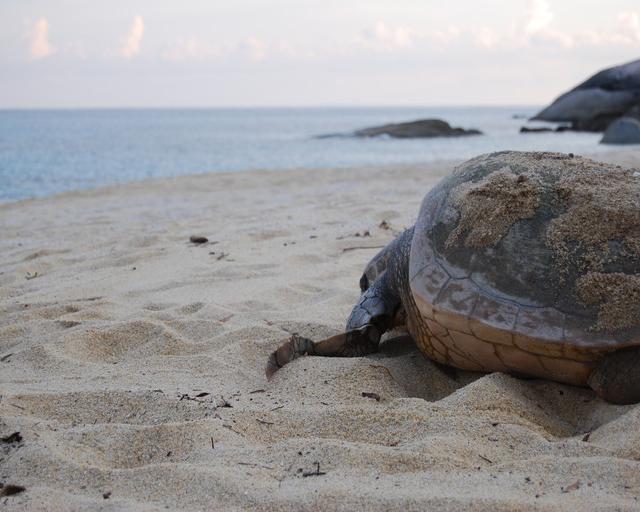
[[617, 295], [490, 207], [602, 205], [598, 205]]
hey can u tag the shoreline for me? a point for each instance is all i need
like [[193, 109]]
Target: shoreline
[[620, 155], [133, 362], [226, 174]]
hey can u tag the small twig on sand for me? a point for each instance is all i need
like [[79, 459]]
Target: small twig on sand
[[254, 465], [264, 422], [315, 472], [346, 249], [232, 429], [485, 458], [574, 486], [383, 367], [186, 396]]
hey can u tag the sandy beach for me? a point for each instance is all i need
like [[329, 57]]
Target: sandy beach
[[132, 363]]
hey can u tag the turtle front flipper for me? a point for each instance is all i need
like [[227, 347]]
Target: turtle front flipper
[[358, 342], [378, 309]]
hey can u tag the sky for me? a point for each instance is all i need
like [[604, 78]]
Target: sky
[[212, 53]]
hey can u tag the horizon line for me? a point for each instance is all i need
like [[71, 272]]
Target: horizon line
[[266, 107]]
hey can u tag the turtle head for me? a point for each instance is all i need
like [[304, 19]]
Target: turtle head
[[378, 305], [375, 268]]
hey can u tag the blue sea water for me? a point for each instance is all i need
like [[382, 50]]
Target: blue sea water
[[44, 152]]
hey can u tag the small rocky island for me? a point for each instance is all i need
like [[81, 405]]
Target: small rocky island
[[607, 102], [421, 128]]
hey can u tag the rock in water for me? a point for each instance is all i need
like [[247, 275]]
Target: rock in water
[[625, 130], [527, 129], [416, 129], [595, 103]]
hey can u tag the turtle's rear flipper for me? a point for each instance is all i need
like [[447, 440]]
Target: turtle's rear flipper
[[617, 379], [357, 342]]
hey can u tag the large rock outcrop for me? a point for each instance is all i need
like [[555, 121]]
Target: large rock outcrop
[[595, 103], [416, 129]]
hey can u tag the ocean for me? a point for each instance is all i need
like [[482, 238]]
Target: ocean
[[45, 152]]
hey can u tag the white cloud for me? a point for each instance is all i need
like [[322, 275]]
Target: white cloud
[[630, 26], [388, 36], [254, 48], [131, 44], [535, 27], [251, 48], [625, 33], [75, 49], [551, 37], [485, 37], [537, 17], [480, 37], [38, 34], [287, 49], [450, 34], [189, 49]]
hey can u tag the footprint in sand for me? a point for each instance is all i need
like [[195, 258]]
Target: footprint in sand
[[55, 311], [189, 309], [129, 446], [198, 330], [126, 341], [158, 306]]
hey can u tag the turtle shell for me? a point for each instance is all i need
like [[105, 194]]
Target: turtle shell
[[529, 262]]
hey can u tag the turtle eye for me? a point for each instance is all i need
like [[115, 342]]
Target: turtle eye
[[364, 283]]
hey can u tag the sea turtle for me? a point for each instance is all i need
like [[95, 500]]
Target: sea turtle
[[520, 262]]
